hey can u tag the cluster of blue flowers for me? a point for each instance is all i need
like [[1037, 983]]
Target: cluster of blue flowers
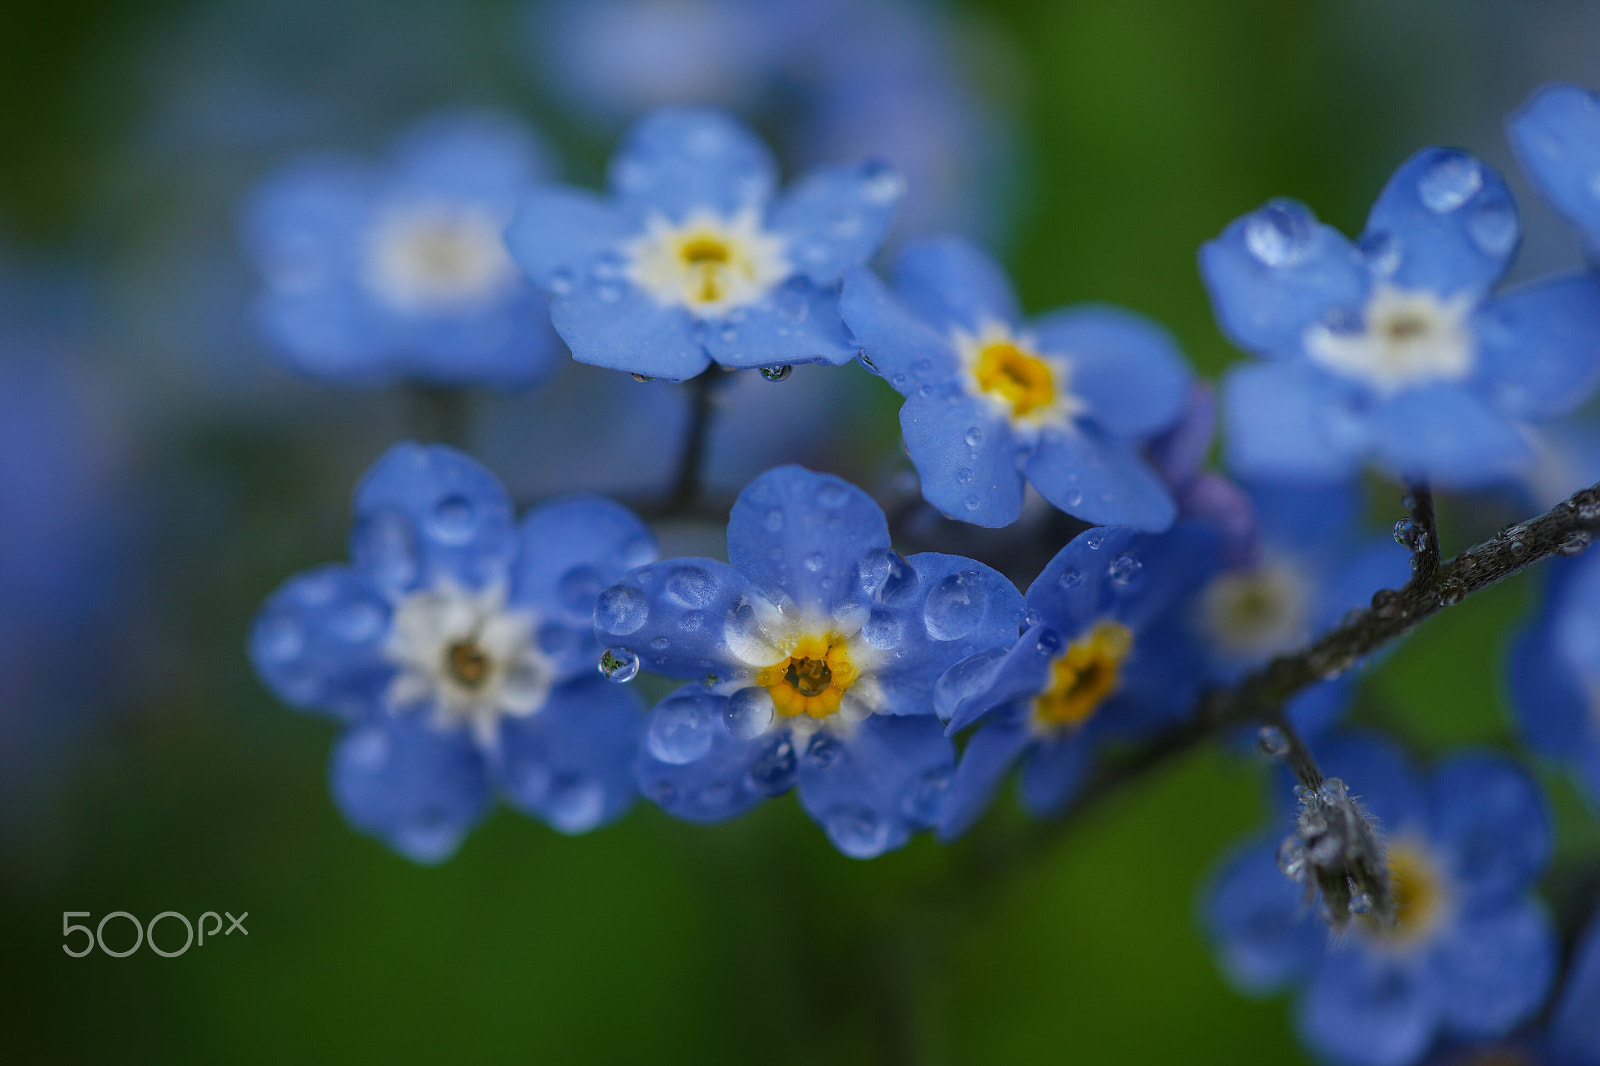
[[896, 693]]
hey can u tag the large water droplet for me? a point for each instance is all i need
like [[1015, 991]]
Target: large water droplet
[[955, 606], [887, 576], [882, 630], [974, 437], [773, 769], [620, 609], [1271, 742], [680, 730], [619, 664], [690, 586], [965, 679], [749, 712], [1279, 234], [776, 373], [856, 830], [1449, 181], [1493, 228]]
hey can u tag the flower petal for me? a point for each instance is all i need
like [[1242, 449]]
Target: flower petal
[[1495, 970], [608, 321], [1445, 223], [675, 615], [1369, 1009], [950, 284], [571, 763], [1099, 479], [1447, 436], [1128, 368], [728, 778], [570, 549], [987, 759], [977, 483], [1490, 825], [1285, 421], [890, 779], [1259, 923], [318, 643], [796, 323], [1540, 346], [903, 349], [1556, 137], [679, 159], [836, 217], [557, 229]]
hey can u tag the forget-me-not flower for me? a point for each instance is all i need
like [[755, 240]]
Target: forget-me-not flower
[[1392, 349], [458, 650], [1064, 402], [1469, 955], [1556, 136], [399, 271], [816, 652], [692, 259], [1104, 656]]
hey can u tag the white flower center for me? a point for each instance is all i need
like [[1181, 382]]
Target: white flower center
[[436, 257], [1406, 338], [467, 656], [1250, 615], [707, 263], [1028, 387]]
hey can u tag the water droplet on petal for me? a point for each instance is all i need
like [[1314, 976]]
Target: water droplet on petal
[[279, 639], [974, 437], [972, 503], [1380, 251], [680, 730], [359, 622], [887, 576], [1450, 180], [832, 494], [1493, 228], [776, 373], [924, 803], [824, 750], [749, 712], [955, 606], [619, 664], [1279, 234], [1292, 859], [815, 561], [1070, 578], [620, 609], [1073, 498], [966, 679], [1094, 538]]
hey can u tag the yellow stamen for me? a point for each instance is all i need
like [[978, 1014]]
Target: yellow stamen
[[813, 679], [1083, 676], [467, 663], [1021, 379]]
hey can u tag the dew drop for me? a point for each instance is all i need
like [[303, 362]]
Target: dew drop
[[964, 476], [881, 183], [749, 712], [824, 750], [1070, 578], [1073, 498], [966, 679], [679, 731], [815, 561], [279, 639], [690, 586], [1450, 180], [1360, 903], [1292, 859], [619, 664], [832, 494], [924, 802], [773, 769], [1493, 228], [974, 437], [1575, 542], [1271, 742], [360, 622], [856, 830], [776, 373], [1381, 252], [575, 804], [620, 609], [971, 503], [1125, 572], [1094, 538], [560, 281], [887, 576], [1279, 234], [922, 367], [659, 644], [773, 521], [1386, 603], [955, 606]]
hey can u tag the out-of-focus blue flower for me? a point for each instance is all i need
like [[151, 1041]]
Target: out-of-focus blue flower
[[839, 79], [1104, 656], [1469, 956], [1064, 402], [1555, 669], [1556, 136], [1310, 565], [458, 650], [817, 652], [693, 261], [399, 271], [1391, 349]]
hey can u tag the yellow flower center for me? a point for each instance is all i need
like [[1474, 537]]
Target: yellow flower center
[[813, 679], [1020, 378], [1418, 895], [467, 663], [1083, 676], [708, 263]]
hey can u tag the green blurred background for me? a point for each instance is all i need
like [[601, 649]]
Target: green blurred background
[[1144, 127]]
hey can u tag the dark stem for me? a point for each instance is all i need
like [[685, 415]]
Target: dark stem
[[686, 487], [440, 414], [1424, 534]]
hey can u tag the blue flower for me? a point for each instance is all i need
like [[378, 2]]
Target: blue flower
[[399, 271], [1310, 565], [1065, 402], [1105, 656], [458, 650], [693, 261], [1392, 349], [817, 652], [1555, 669], [1556, 137], [1469, 956]]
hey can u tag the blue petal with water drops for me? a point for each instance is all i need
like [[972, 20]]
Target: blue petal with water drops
[[1274, 272], [693, 768], [1265, 940], [676, 615], [318, 643], [1491, 826], [303, 224], [796, 323], [570, 550], [950, 284], [426, 513], [608, 321], [1128, 369], [1540, 346], [571, 764], [835, 217], [557, 230], [801, 535], [889, 778], [1451, 221], [959, 607], [1099, 478], [988, 682], [1284, 421], [679, 159], [965, 454], [416, 788], [985, 763], [1556, 138], [1074, 588], [1448, 436], [906, 352]]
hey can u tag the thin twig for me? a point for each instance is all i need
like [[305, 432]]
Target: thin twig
[[1423, 534], [438, 413], [686, 487]]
